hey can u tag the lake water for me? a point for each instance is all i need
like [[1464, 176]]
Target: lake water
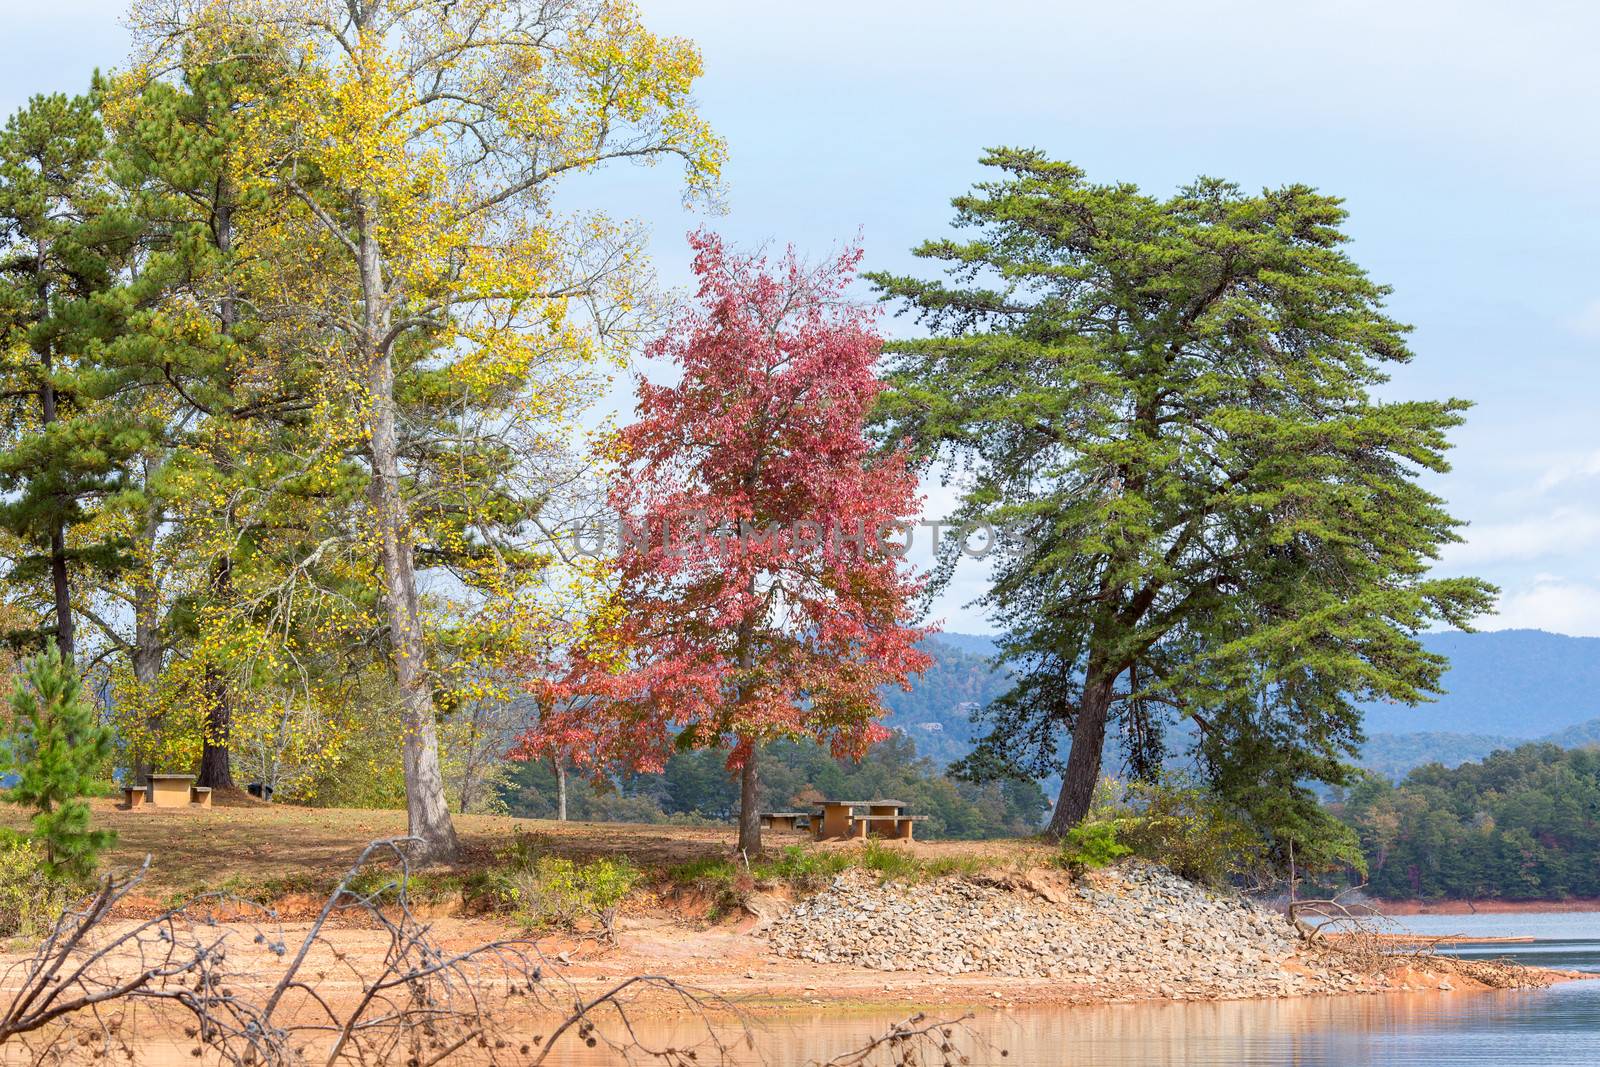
[[1534, 1028]]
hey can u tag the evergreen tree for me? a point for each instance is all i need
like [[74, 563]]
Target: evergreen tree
[[66, 443], [1165, 408], [56, 746], [229, 400]]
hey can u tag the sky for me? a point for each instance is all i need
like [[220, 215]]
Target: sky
[[1461, 135]]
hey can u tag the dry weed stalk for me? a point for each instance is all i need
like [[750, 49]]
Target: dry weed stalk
[[92, 983]]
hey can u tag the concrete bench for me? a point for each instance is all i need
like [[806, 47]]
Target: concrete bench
[[201, 795], [898, 827], [134, 796], [838, 819]]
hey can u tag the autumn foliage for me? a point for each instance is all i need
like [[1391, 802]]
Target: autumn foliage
[[761, 589]]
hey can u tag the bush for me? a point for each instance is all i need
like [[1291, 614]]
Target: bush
[[29, 899], [802, 868], [58, 749], [1173, 822], [553, 892], [1092, 845], [1193, 832]]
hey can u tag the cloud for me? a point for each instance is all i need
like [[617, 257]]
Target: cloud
[[1561, 532], [1552, 604], [1570, 469]]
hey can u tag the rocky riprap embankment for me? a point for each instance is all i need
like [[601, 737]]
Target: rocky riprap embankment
[[1134, 928]]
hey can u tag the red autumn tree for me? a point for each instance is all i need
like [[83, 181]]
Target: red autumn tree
[[761, 593]]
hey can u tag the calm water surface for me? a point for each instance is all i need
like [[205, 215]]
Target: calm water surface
[[1538, 1028]]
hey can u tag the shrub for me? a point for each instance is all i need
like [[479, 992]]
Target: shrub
[[556, 892], [1183, 826], [29, 899], [58, 748], [802, 868], [1092, 845]]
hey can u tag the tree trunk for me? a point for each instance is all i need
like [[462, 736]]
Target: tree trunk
[[60, 587], [1083, 760], [749, 806], [560, 766], [147, 644], [65, 638], [216, 764], [427, 810]]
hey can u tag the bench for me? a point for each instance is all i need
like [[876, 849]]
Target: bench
[[134, 796], [838, 819], [201, 795], [784, 820], [898, 826]]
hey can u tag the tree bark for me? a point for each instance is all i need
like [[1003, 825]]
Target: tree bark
[[66, 639], [1083, 759], [216, 761], [427, 810], [749, 806], [60, 587], [560, 766]]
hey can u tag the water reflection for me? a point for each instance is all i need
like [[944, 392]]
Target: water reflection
[[1560, 1026]]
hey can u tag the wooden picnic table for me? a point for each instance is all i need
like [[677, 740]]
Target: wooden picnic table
[[838, 819]]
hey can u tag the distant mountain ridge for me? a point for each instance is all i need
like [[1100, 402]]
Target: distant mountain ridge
[[1502, 689], [1508, 683]]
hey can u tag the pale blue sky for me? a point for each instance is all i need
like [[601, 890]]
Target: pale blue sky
[[1463, 136]]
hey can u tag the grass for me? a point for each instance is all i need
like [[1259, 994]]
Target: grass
[[289, 855], [803, 869]]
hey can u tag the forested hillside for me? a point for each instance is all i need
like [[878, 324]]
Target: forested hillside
[[937, 709], [1521, 825]]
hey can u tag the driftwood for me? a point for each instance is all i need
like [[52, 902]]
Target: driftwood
[[1334, 912], [92, 983]]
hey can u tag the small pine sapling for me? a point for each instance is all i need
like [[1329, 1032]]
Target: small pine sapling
[[55, 745]]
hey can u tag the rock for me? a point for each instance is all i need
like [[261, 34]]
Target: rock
[[1138, 926]]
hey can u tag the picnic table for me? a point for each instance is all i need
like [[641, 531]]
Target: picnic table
[[168, 791], [839, 819], [783, 820]]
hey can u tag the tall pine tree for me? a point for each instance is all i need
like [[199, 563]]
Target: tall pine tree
[[63, 241], [1165, 406]]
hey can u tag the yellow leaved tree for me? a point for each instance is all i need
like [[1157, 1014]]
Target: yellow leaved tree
[[411, 151]]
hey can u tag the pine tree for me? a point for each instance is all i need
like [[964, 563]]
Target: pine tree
[[67, 442], [56, 746], [1166, 409], [227, 398]]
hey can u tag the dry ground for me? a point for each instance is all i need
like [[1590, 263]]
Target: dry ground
[[250, 846], [291, 856]]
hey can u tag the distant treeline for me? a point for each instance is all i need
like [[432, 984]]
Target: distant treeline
[[696, 786], [1520, 825]]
